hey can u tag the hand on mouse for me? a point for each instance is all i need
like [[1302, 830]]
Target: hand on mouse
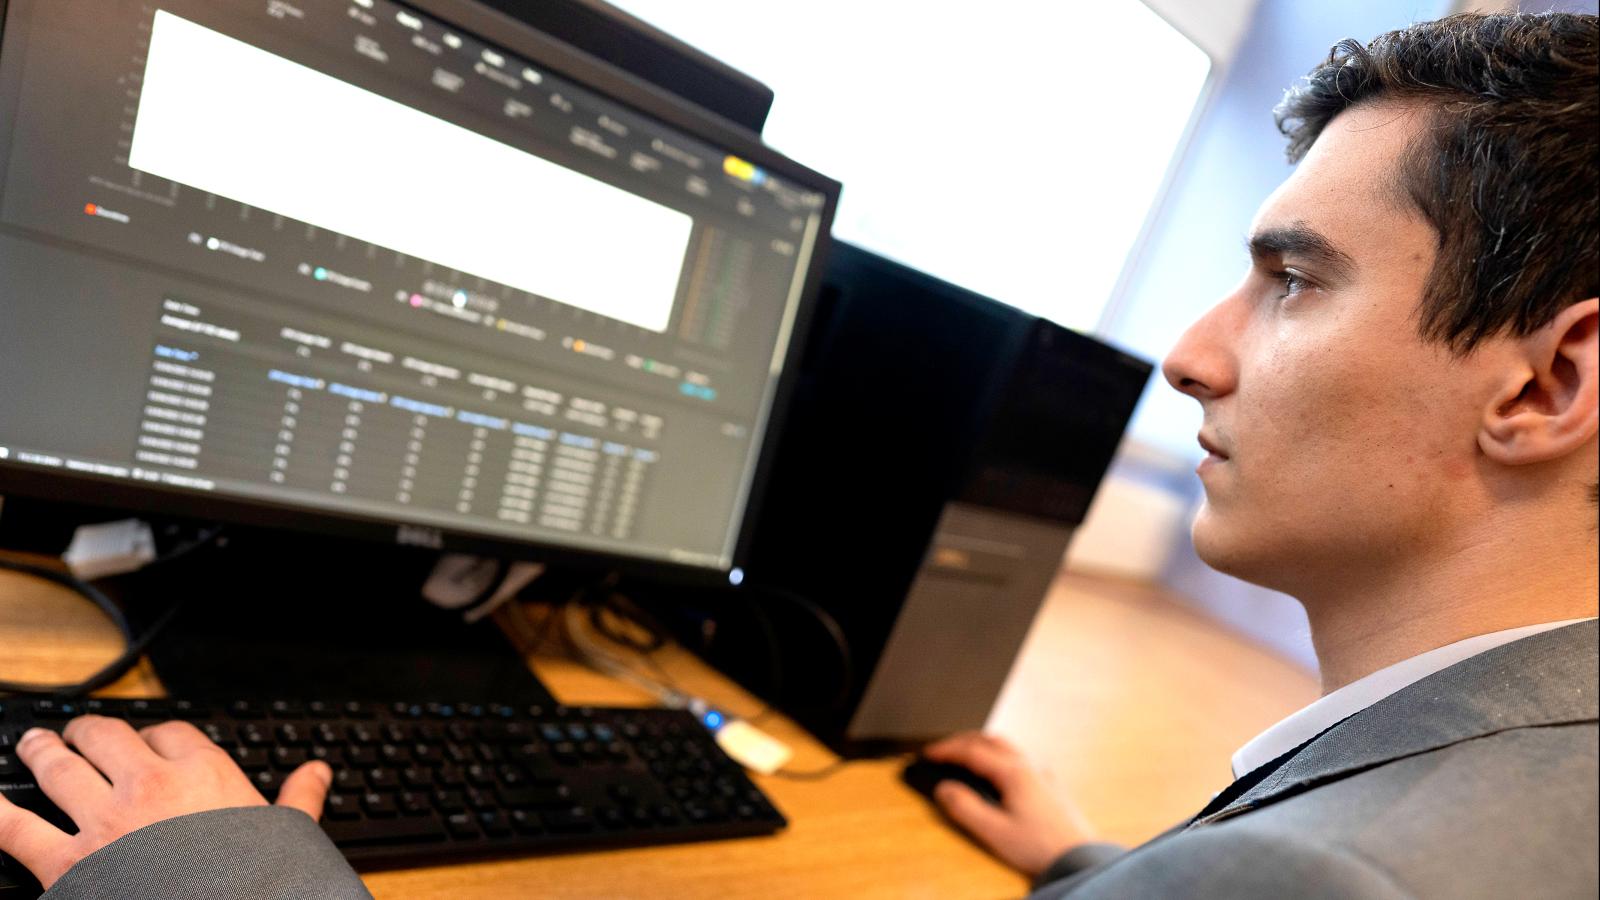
[[1028, 830], [112, 780]]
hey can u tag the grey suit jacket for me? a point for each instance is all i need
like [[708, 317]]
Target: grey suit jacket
[[247, 853], [1477, 781]]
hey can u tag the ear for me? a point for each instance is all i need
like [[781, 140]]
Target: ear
[[1548, 408]]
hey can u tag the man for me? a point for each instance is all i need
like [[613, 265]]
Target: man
[[1401, 417]]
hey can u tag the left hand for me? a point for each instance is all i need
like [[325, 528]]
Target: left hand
[[112, 780]]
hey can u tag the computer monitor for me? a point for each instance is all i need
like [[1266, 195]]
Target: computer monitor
[[413, 272]]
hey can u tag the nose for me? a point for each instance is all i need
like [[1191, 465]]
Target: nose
[[1203, 363]]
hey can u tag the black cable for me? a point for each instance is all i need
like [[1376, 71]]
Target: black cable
[[133, 647], [623, 608], [617, 605], [775, 682], [834, 630]]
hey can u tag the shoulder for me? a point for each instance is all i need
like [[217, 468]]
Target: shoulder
[[1505, 814], [1234, 863], [1499, 814]]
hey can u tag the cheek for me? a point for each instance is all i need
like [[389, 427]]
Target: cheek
[[1358, 441]]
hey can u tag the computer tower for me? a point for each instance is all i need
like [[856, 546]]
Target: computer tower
[[941, 447]]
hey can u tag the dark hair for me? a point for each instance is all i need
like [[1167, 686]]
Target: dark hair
[[1506, 172]]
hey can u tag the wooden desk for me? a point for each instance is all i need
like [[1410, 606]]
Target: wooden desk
[[1132, 701]]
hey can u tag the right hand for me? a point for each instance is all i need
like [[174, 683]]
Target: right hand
[[1029, 830]]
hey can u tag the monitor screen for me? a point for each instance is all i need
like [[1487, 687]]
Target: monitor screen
[[354, 263]]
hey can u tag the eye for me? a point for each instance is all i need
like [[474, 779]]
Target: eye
[[1292, 284]]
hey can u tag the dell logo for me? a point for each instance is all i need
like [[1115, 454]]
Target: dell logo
[[419, 536]]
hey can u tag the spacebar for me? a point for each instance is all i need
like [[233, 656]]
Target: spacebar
[[385, 831]]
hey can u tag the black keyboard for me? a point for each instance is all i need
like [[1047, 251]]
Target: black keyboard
[[419, 783]]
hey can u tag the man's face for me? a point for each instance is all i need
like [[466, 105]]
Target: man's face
[[1338, 434]]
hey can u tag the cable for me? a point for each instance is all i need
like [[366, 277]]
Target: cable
[[831, 626], [833, 768], [826, 771], [133, 647]]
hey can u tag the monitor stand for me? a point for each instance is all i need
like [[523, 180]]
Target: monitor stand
[[269, 615]]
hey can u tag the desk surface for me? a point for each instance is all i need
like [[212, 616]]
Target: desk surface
[[1131, 701]]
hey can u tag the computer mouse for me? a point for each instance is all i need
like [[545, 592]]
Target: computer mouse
[[923, 774]]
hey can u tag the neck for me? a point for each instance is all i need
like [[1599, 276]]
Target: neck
[[1394, 612]]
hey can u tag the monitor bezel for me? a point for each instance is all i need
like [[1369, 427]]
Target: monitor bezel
[[498, 29]]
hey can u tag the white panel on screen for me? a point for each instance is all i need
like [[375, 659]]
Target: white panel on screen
[[379, 171]]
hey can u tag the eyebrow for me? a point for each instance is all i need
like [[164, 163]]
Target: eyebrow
[[1303, 241]]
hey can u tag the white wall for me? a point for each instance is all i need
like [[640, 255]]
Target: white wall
[[1012, 147]]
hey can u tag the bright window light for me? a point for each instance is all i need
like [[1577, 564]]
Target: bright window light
[[1013, 147]]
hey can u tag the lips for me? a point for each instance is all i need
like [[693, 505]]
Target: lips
[[1211, 447]]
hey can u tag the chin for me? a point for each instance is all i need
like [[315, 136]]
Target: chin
[[1227, 549]]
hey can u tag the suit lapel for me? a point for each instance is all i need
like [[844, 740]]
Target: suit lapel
[[1547, 679]]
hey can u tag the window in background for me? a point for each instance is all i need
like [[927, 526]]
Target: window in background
[[1012, 147]]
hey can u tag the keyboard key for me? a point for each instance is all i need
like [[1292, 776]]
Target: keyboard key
[[267, 782], [536, 795], [288, 759], [380, 805], [340, 806], [220, 733], [613, 818], [526, 821], [410, 829], [493, 822], [462, 825], [250, 759], [572, 820], [415, 803], [295, 734]]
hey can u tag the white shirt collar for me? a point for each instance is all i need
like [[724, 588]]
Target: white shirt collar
[[1358, 695]]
